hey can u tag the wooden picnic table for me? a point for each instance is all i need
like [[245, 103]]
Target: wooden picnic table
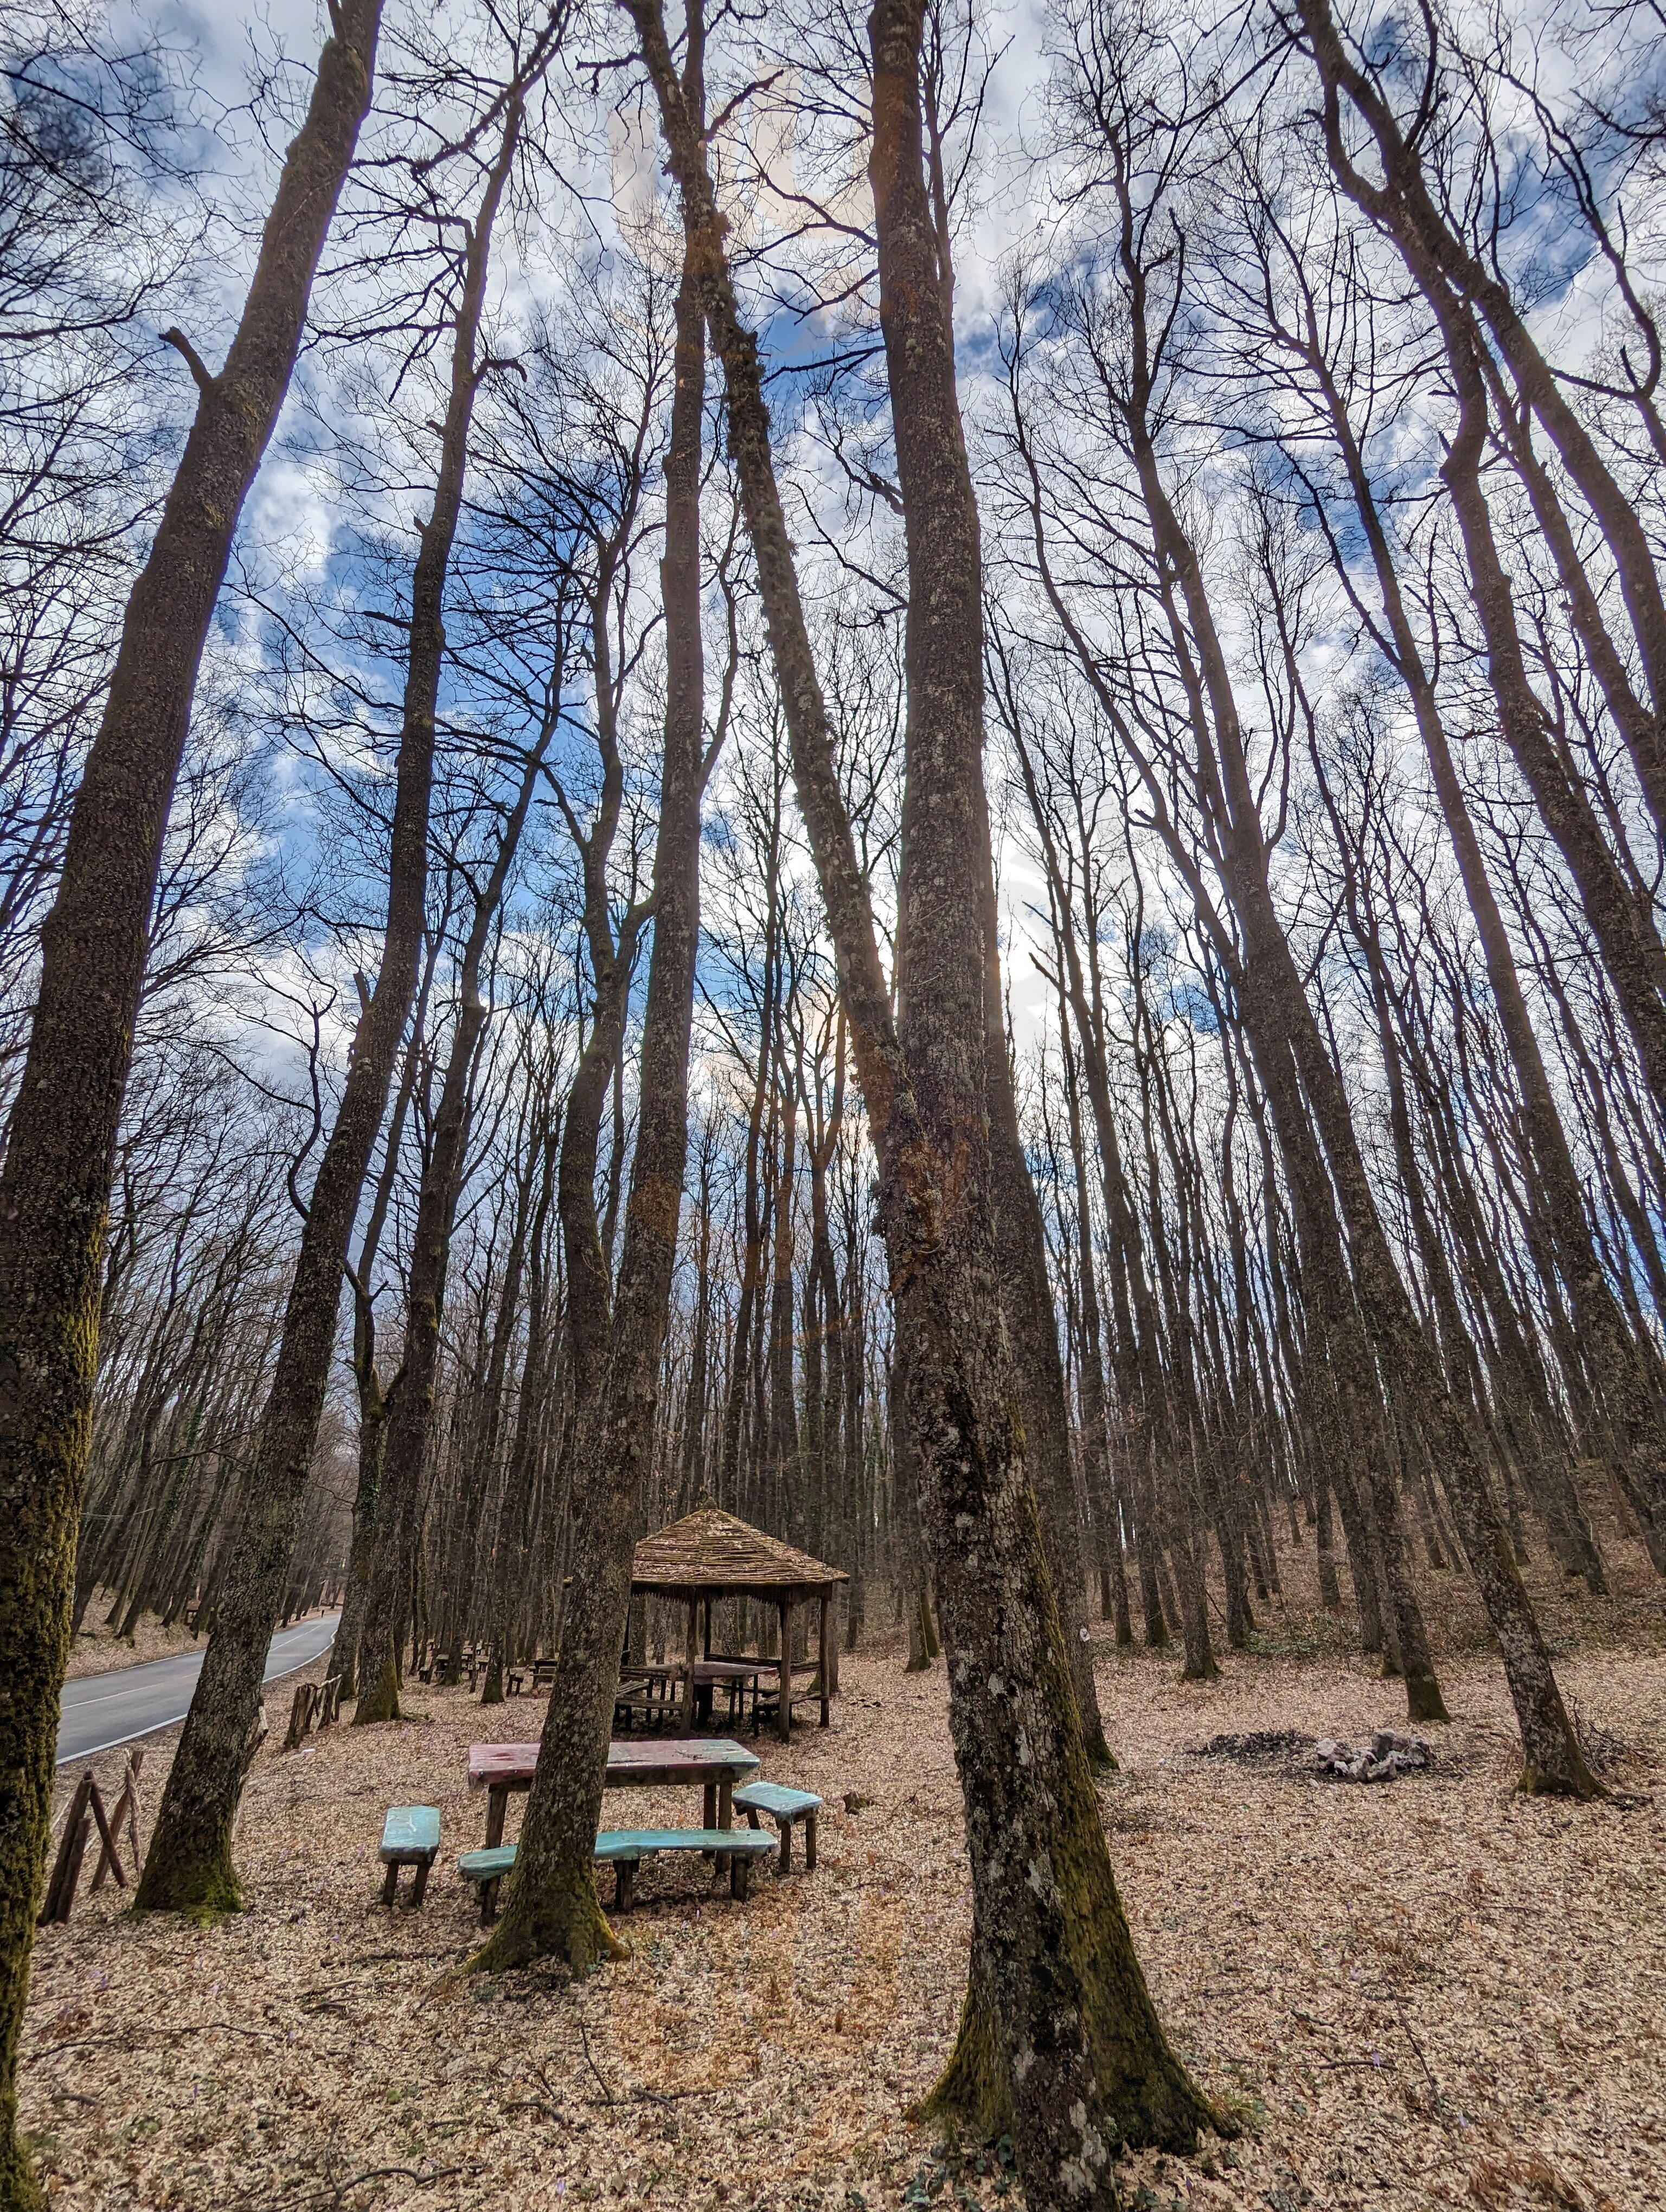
[[737, 1676], [662, 1677], [640, 1763]]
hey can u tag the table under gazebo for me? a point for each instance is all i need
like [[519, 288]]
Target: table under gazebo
[[711, 1555]]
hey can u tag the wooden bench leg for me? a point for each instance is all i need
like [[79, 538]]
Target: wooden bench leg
[[739, 1867], [785, 1828], [489, 1902], [624, 1884], [810, 1842], [390, 1885], [420, 1890]]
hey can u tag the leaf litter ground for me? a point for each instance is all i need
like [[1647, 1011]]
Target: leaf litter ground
[[1432, 1992]]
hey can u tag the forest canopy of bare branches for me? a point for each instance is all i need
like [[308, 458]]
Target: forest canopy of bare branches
[[1109, 845]]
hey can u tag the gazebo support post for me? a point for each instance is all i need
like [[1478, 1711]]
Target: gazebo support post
[[786, 1720], [825, 1680], [691, 1645]]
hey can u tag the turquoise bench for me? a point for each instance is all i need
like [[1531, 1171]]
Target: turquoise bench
[[624, 1850], [411, 1837], [785, 1807], [487, 1869]]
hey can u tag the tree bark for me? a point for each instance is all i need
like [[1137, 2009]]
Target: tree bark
[[373, 1398], [1060, 2032]]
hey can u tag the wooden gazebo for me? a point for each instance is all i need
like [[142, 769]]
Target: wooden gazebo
[[709, 1554]]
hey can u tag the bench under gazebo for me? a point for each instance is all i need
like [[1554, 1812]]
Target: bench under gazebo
[[710, 1554]]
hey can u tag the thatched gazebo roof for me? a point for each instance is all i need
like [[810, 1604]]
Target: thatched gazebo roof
[[708, 1551]]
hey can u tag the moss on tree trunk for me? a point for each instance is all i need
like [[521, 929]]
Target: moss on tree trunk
[[381, 1703]]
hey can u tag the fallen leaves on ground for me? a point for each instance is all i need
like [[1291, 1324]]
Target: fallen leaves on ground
[[1433, 1992]]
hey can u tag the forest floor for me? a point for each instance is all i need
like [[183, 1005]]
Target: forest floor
[[99, 1650], [1428, 1993]]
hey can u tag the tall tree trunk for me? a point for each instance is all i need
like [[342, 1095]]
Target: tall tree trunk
[[1103, 1489], [189, 1865], [741, 1364], [785, 1488], [1070, 2091], [1405, 208], [1061, 2036], [1026, 1295], [412, 1415], [373, 1397], [551, 1905], [55, 1188], [515, 1520]]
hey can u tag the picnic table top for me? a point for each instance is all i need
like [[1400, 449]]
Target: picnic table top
[[705, 1670], [640, 1761]]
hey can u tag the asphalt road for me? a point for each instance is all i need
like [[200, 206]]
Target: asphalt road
[[101, 1710]]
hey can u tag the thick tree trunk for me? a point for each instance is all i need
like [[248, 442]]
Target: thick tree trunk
[[189, 1864], [54, 1193], [1080, 2060], [1062, 2034]]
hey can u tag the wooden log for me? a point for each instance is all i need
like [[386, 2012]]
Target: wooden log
[[107, 1840], [109, 1849], [78, 1852], [66, 1867], [301, 1716], [130, 1791]]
